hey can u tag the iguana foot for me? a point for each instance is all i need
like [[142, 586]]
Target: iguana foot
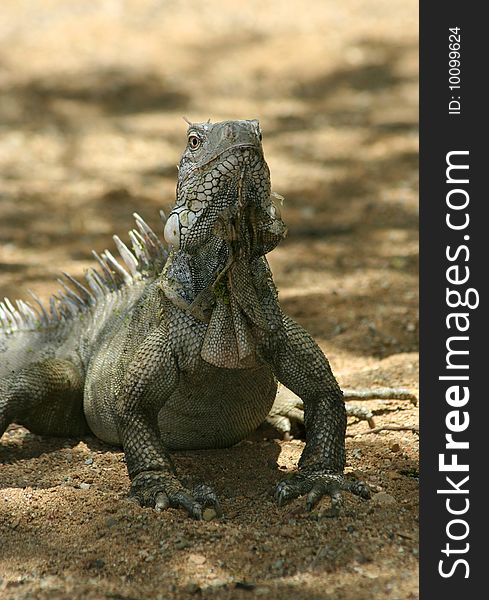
[[163, 490], [316, 484], [287, 415]]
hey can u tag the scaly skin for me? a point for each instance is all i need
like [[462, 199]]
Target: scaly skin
[[193, 360]]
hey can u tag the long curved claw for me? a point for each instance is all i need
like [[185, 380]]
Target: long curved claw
[[160, 491], [317, 484], [181, 499], [357, 487], [284, 493], [206, 496]]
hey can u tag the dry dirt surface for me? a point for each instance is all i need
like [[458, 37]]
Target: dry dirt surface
[[91, 100]]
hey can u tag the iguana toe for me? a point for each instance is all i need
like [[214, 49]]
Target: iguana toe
[[161, 490], [316, 484], [206, 496], [287, 415]]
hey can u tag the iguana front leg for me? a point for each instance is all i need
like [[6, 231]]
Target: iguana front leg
[[150, 379], [300, 365]]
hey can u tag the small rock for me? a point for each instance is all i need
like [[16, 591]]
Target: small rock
[[383, 498], [182, 543], [208, 514], [97, 563], [395, 447], [287, 531], [278, 564], [46, 582], [260, 591], [192, 588], [110, 522], [84, 486], [197, 559], [358, 474], [217, 583], [89, 461]]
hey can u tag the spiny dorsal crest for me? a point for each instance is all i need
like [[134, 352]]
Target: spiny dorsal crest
[[144, 260]]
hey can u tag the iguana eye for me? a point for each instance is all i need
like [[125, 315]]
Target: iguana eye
[[194, 142]]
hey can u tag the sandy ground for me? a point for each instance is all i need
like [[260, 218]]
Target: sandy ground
[[91, 99]]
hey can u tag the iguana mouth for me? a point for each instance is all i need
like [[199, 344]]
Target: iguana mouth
[[216, 157]]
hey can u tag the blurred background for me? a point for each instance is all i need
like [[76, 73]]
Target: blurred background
[[92, 94]]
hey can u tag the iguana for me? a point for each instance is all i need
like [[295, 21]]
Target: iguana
[[183, 346]]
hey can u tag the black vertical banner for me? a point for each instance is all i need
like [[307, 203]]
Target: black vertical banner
[[454, 332]]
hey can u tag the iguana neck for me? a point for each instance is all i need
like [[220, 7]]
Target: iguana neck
[[226, 264], [229, 296]]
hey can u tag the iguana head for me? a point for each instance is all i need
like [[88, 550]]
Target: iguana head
[[223, 191]]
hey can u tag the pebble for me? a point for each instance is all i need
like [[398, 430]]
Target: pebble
[[287, 531], [47, 582], [84, 486], [383, 498], [208, 514], [217, 583], [181, 544], [260, 591], [278, 564], [395, 447], [89, 461], [96, 563], [197, 559], [110, 522]]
